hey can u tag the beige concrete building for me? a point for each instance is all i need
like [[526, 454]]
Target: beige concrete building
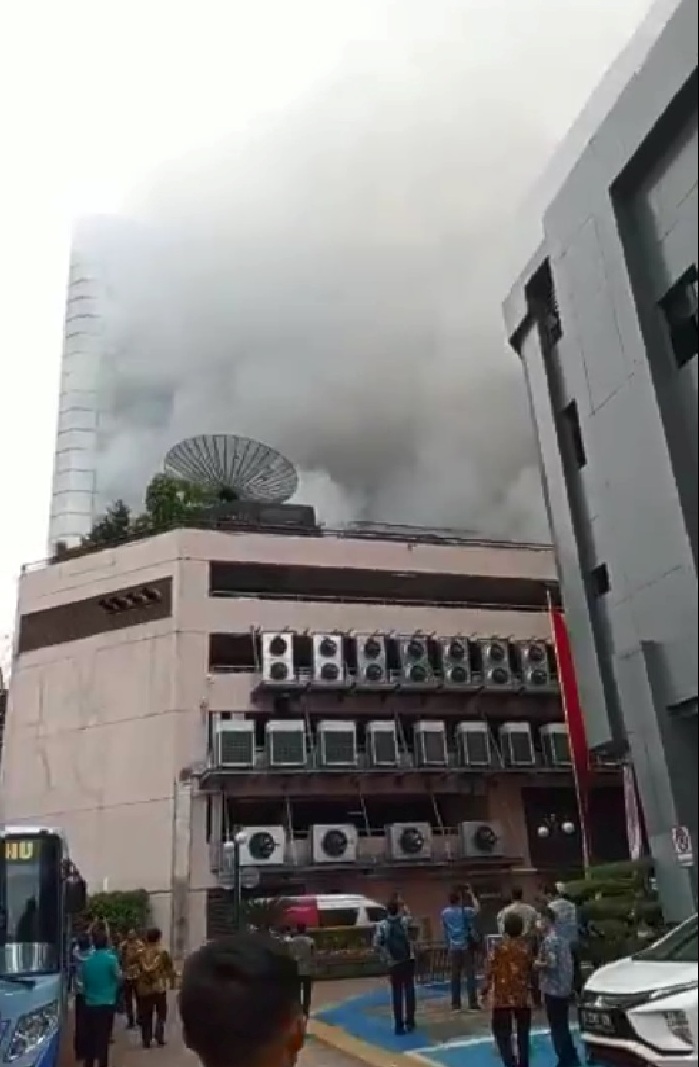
[[171, 690]]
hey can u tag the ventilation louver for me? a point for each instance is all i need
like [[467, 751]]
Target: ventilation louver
[[556, 745], [517, 745], [474, 744], [431, 744], [234, 744], [286, 743], [382, 740], [337, 743]]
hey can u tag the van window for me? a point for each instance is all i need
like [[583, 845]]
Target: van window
[[338, 916], [678, 947], [375, 915]]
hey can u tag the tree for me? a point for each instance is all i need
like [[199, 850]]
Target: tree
[[171, 502], [113, 527]]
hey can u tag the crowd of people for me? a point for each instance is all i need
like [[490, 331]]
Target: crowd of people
[[532, 962], [113, 974]]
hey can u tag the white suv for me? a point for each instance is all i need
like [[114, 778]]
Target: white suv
[[643, 1010]]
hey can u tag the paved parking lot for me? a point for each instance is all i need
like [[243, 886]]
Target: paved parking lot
[[128, 1053]]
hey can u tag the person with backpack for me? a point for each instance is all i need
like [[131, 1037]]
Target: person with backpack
[[461, 937], [394, 940]]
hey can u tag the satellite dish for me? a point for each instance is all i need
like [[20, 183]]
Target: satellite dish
[[237, 468]]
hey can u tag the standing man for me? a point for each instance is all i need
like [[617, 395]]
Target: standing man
[[461, 936], [101, 976], [568, 927], [156, 973], [129, 955], [393, 939], [529, 916], [555, 967]]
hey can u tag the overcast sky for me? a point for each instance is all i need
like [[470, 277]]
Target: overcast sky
[[355, 153]]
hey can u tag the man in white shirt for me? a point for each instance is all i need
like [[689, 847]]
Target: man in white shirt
[[526, 912]]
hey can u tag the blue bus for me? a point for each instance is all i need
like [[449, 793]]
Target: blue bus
[[40, 889]]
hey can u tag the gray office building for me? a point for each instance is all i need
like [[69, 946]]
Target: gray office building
[[604, 319]]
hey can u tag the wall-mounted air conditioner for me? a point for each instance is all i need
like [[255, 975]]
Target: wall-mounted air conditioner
[[495, 660], [556, 744], [265, 846], [334, 844], [517, 744], [416, 669], [382, 743], [481, 840], [278, 658], [372, 666], [337, 743], [473, 740], [534, 664], [456, 662], [431, 744], [234, 743], [410, 841], [328, 660], [286, 743]]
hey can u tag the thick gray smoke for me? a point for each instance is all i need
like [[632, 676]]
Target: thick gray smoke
[[332, 284]]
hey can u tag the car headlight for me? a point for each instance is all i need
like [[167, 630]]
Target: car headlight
[[672, 991], [31, 1030], [678, 1025]]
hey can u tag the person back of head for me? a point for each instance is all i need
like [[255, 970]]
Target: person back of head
[[393, 909], [83, 943], [547, 919], [454, 899], [153, 936], [517, 895], [223, 985], [100, 940], [513, 925]]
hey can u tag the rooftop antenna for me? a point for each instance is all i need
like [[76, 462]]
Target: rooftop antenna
[[234, 468]]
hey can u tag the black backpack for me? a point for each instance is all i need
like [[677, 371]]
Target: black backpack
[[397, 941]]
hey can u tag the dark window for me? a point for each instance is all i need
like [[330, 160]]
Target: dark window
[[273, 581], [233, 652], [600, 580], [680, 307], [571, 422]]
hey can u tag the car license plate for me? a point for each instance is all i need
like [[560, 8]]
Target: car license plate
[[597, 1022]]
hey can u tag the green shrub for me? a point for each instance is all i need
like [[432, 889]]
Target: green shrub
[[123, 911]]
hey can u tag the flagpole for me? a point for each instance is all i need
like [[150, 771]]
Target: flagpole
[[576, 739]]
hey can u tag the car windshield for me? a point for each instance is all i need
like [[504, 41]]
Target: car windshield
[[680, 946]]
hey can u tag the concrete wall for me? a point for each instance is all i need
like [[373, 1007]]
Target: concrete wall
[[619, 233]]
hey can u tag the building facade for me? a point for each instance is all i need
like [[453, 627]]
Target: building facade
[[379, 711], [604, 319]]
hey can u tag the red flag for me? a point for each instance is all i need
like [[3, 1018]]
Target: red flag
[[572, 709]]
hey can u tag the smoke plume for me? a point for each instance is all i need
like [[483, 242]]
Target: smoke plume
[[331, 283]]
